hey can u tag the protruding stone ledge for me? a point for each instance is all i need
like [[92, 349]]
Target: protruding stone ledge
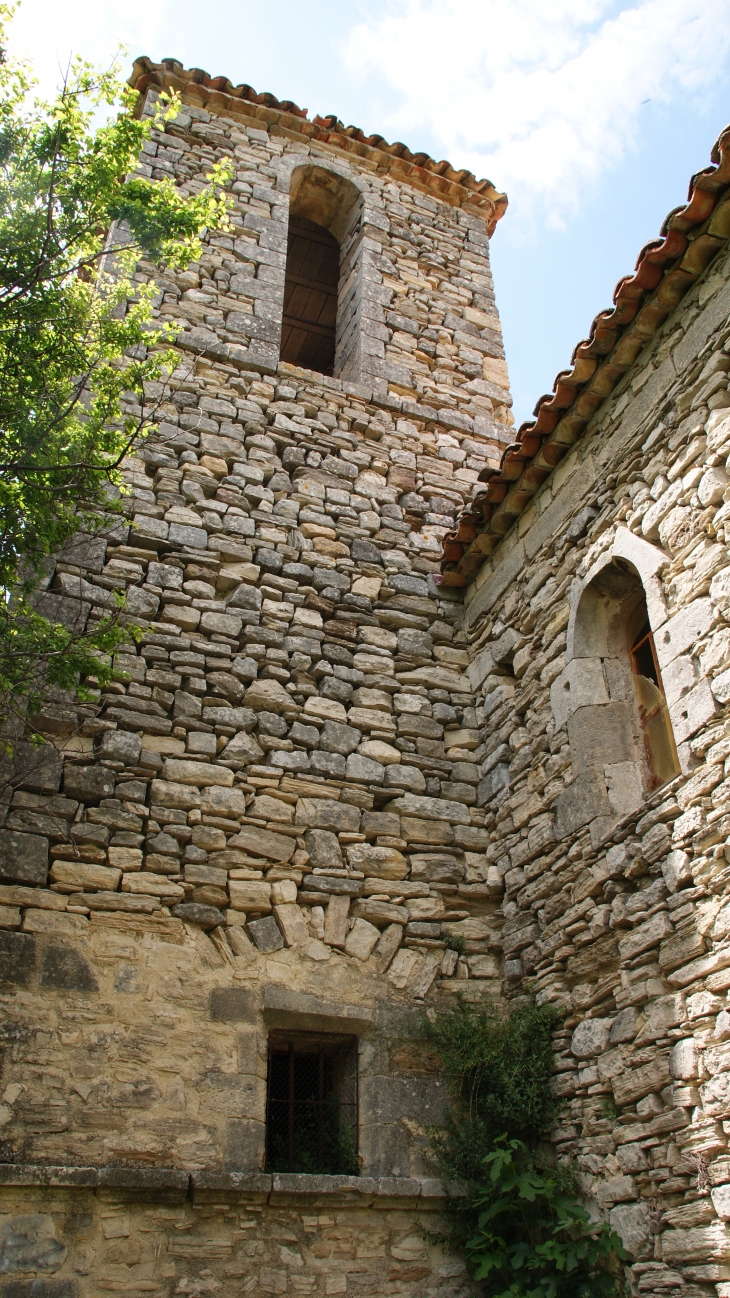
[[74, 1178], [174, 1185], [294, 1187], [289, 1009], [230, 1187], [354, 1191], [297, 1188], [144, 1184]]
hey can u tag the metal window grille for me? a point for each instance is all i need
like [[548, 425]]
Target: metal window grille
[[311, 1108]]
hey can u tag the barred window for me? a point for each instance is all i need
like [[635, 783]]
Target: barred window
[[311, 1107]]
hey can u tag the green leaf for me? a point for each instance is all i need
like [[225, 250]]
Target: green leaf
[[523, 1228], [79, 334]]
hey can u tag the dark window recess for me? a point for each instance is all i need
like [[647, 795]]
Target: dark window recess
[[308, 330], [311, 1105], [661, 751]]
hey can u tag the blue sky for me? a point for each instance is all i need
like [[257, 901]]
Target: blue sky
[[592, 114]]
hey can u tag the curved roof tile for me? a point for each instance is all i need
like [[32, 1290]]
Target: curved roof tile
[[460, 188], [666, 268]]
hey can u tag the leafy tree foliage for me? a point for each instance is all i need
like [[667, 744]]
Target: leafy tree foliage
[[499, 1072], [76, 334], [518, 1219], [533, 1238]]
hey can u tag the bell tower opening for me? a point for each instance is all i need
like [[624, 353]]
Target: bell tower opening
[[320, 327], [309, 325]]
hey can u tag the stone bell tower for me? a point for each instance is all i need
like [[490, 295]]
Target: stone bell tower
[[232, 884]]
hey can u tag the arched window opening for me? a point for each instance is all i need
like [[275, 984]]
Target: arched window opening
[[322, 295], [611, 697], [309, 326], [661, 750]]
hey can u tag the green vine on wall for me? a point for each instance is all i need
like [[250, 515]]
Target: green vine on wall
[[519, 1219]]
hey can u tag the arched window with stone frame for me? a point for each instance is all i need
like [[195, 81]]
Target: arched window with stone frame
[[629, 693], [320, 317]]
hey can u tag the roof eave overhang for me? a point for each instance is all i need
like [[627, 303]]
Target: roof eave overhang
[[666, 269], [219, 95]]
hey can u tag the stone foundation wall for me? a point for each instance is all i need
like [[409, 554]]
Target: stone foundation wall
[[616, 896], [66, 1233]]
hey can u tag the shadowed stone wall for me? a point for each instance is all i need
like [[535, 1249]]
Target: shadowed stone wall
[[272, 817], [616, 894]]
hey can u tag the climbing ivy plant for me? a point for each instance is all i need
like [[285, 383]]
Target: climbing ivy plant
[[517, 1217]]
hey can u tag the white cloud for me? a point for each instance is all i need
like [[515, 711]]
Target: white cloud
[[51, 32], [541, 97]]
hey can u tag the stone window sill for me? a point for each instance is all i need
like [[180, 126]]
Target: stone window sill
[[174, 1185]]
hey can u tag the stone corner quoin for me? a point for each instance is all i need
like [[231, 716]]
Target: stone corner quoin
[[319, 766]]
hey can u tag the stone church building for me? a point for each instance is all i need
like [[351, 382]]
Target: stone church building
[[421, 707]]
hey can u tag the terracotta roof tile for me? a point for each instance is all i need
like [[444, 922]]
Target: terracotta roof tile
[[691, 236], [218, 94]]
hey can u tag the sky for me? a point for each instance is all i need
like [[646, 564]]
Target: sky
[[591, 114]]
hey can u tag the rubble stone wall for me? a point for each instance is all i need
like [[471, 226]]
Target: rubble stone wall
[[94, 1234], [616, 896], [316, 769], [271, 818]]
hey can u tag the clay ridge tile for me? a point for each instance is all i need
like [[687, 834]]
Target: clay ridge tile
[[439, 177], [666, 268]]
